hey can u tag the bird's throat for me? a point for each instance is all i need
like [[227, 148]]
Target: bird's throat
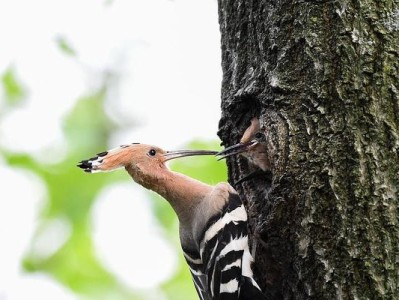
[[182, 192]]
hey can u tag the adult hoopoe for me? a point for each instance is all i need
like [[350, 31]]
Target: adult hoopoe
[[212, 219]]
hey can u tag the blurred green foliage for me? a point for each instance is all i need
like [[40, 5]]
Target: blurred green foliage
[[65, 46], [14, 91], [71, 194]]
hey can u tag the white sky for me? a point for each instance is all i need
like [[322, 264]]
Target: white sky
[[167, 58], [166, 54]]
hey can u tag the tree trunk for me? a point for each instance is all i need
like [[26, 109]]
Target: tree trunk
[[322, 76]]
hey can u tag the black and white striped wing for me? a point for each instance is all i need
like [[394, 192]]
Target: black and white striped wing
[[225, 253], [194, 262]]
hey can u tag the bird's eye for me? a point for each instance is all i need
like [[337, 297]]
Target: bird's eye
[[152, 152], [258, 135]]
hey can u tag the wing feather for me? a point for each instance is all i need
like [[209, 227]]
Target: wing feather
[[221, 269], [225, 253]]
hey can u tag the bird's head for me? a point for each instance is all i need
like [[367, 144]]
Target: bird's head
[[249, 140], [138, 159], [252, 145]]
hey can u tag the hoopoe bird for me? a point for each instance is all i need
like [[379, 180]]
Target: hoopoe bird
[[252, 146], [212, 219]]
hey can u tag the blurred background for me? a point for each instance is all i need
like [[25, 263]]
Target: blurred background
[[80, 77]]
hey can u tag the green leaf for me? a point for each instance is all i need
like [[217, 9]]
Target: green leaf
[[13, 88]]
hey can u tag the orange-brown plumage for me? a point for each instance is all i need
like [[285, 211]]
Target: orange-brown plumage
[[146, 164], [249, 133]]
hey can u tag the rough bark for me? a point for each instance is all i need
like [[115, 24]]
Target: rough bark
[[322, 76]]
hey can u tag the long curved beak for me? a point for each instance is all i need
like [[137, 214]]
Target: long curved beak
[[236, 149], [182, 153]]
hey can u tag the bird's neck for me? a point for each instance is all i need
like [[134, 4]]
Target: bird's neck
[[182, 192]]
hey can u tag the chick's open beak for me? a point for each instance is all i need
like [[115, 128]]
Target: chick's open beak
[[182, 153], [236, 149]]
